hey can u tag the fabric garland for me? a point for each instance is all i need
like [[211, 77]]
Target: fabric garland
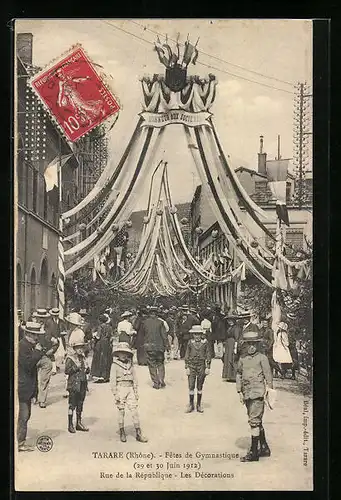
[[104, 183], [102, 241]]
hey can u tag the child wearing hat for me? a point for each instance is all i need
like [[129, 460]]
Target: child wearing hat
[[125, 390], [197, 365], [75, 323], [253, 376], [76, 370]]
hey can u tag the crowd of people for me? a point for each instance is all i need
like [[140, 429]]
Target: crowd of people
[[106, 351]]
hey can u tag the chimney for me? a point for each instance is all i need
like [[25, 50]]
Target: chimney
[[261, 157], [24, 47], [278, 147]]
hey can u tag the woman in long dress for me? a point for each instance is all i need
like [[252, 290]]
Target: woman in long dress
[[281, 351], [230, 350], [138, 341], [102, 357]]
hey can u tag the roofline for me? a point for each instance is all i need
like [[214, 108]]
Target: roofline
[[213, 226], [254, 172], [216, 225]]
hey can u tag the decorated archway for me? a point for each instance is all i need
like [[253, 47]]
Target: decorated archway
[[175, 98]]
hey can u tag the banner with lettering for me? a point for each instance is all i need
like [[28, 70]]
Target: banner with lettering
[[175, 116]]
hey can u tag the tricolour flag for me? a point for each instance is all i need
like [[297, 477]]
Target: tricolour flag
[[190, 53], [161, 53], [51, 171]]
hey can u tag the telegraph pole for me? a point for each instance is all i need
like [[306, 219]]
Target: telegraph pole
[[302, 131]]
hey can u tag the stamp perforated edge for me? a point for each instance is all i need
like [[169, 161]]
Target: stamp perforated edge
[[101, 75]]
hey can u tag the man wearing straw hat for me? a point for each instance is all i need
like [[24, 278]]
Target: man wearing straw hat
[[45, 364], [56, 328], [254, 376], [86, 325], [30, 352]]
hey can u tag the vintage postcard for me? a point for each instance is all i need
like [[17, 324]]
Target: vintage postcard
[[163, 255]]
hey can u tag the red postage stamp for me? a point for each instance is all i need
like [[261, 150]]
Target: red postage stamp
[[75, 94]]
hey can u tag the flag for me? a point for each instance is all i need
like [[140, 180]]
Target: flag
[[279, 275], [161, 53], [226, 254], [170, 52], [277, 172], [238, 274], [51, 171], [188, 53], [94, 269], [208, 264], [195, 57], [174, 59], [243, 272]]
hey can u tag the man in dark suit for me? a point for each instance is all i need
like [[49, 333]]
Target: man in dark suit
[[267, 336], [30, 352], [155, 344]]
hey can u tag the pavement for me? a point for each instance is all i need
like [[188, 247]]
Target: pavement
[[197, 452]]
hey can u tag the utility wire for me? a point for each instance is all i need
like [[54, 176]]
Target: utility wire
[[244, 78], [217, 58], [203, 64]]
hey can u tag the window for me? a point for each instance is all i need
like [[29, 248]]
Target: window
[[33, 284], [45, 204], [294, 237], [41, 195], [29, 187], [288, 192], [21, 181], [35, 191], [52, 206], [45, 243], [44, 290], [260, 187], [19, 287], [53, 291]]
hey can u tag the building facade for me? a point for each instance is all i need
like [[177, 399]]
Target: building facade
[[210, 240], [135, 232], [36, 210]]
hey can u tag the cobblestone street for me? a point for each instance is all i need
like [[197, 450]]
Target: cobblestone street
[[222, 428]]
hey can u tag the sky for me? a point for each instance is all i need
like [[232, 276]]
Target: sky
[[273, 54]]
